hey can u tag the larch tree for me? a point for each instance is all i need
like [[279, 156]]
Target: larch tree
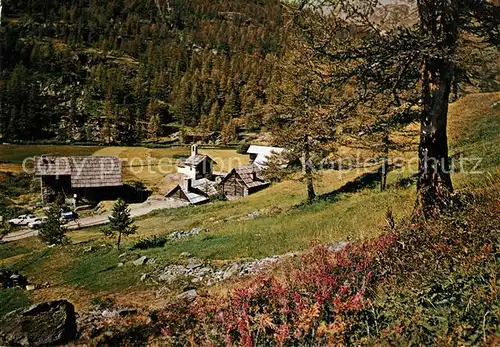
[[52, 231], [302, 120], [120, 222], [413, 63]]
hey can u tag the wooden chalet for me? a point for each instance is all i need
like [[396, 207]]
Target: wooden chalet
[[92, 177], [242, 181]]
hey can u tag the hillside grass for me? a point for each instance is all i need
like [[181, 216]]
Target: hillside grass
[[350, 207]]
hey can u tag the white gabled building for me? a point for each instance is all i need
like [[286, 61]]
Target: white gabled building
[[197, 166], [259, 155]]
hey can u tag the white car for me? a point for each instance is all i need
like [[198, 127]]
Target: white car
[[22, 220], [37, 223]]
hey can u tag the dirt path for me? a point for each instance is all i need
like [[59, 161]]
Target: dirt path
[[136, 210]]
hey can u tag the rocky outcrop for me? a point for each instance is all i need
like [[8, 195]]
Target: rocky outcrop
[[46, 323], [9, 279], [201, 273], [179, 235]]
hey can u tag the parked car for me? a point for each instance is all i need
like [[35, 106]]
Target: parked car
[[68, 216], [22, 220], [38, 222]]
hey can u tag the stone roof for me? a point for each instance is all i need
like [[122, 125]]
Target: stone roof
[[196, 159], [192, 197], [250, 175], [263, 153], [206, 187], [85, 172]]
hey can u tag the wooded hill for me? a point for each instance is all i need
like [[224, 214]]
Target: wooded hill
[[127, 71], [131, 70]]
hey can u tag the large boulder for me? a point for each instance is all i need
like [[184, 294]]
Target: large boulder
[[46, 323]]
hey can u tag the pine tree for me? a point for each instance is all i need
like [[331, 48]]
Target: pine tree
[[120, 222], [52, 231]]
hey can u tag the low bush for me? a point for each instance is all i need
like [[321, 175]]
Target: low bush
[[149, 242]]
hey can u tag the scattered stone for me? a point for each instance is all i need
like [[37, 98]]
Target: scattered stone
[[122, 255], [122, 312], [120, 265], [194, 263], [88, 250], [46, 323], [141, 261], [172, 273], [189, 295], [185, 254], [335, 247], [231, 271], [254, 214], [178, 235], [30, 287], [144, 277]]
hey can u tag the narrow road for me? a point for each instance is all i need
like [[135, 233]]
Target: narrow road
[[136, 210]]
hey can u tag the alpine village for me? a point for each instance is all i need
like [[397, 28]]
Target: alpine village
[[249, 173]]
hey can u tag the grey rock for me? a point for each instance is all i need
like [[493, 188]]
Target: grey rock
[[141, 261], [194, 263], [335, 247], [172, 273], [231, 271], [189, 295], [120, 264], [178, 235], [122, 255], [254, 214], [119, 312], [46, 323]]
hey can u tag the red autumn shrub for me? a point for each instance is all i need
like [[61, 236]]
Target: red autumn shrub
[[313, 302]]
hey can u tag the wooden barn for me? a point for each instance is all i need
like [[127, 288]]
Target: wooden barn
[[242, 181], [95, 178]]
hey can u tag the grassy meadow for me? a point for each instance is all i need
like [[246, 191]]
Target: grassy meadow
[[350, 207], [148, 165]]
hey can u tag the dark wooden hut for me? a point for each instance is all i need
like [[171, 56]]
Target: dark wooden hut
[[242, 181], [96, 178]]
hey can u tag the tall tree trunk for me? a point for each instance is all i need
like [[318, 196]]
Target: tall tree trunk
[[434, 182], [119, 240], [434, 186], [308, 169], [385, 162]]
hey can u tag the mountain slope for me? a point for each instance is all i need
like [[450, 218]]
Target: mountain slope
[[126, 71]]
